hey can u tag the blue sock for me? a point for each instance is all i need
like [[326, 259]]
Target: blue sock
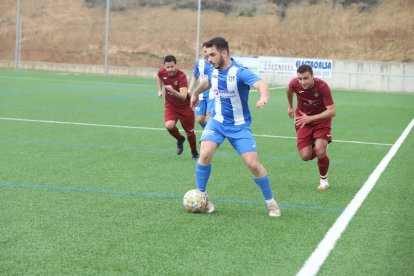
[[202, 175], [265, 188]]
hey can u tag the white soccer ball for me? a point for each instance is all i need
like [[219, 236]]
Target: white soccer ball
[[195, 201]]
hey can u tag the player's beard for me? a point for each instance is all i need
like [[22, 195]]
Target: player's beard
[[219, 64], [171, 73]]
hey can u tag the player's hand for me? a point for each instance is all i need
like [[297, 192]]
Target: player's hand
[[303, 120], [160, 94], [291, 112], [261, 103], [193, 101], [170, 89]]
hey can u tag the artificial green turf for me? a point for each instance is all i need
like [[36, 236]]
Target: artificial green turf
[[82, 199], [380, 240]]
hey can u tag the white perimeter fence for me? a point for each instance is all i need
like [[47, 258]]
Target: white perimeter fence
[[349, 75], [365, 76]]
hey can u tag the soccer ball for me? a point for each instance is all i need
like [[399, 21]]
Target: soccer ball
[[195, 201]]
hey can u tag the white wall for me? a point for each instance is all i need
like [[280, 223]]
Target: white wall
[[374, 76], [352, 75], [364, 75]]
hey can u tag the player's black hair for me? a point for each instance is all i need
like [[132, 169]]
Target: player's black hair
[[220, 43], [304, 68], [170, 58]]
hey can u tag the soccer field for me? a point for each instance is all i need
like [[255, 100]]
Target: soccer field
[[90, 184]]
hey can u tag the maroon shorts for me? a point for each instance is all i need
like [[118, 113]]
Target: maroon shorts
[[309, 133], [184, 115]]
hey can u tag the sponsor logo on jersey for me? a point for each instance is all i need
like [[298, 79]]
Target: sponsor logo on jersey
[[226, 94]]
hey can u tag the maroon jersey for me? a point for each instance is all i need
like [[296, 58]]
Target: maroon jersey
[[178, 81], [313, 100]]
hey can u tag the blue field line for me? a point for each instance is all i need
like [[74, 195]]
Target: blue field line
[[103, 191], [155, 149], [336, 126], [336, 162], [54, 89], [94, 146], [124, 97], [78, 110], [64, 79]]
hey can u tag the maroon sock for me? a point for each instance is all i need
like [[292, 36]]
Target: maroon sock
[[323, 165], [175, 133], [192, 141]]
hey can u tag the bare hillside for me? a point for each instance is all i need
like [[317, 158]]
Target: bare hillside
[[69, 32]]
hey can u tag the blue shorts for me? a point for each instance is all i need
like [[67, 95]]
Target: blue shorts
[[204, 107], [240, 137]]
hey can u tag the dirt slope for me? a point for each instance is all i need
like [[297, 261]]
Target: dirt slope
[[69, 32]]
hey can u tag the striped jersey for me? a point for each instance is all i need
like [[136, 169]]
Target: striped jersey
[[201, 69], [231, 92]]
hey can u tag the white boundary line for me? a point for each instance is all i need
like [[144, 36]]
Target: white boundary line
[[321, 253], [270, 88], [162, 129], [78, 124]]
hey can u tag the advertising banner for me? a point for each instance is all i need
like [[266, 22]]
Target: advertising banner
[[284, 66]]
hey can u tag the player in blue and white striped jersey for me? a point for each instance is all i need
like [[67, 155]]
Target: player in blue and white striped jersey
[[206, 99], [231, 118]]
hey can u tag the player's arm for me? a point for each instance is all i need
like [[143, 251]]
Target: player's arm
[[329, 105], [181, 95], [291, 110], [202, 87], [193, 81], [328, 113], [305, 119], [159, 81], [264, 93]]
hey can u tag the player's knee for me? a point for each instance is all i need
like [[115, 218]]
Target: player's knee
[[204, 159], [190, 133], [169, 125], [254, 167], [320, 152], [305, 156], [201, 120], [305, 153]]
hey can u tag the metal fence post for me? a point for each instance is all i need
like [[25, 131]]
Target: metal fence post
[[198, 30], [17, 54], [108, 2]]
